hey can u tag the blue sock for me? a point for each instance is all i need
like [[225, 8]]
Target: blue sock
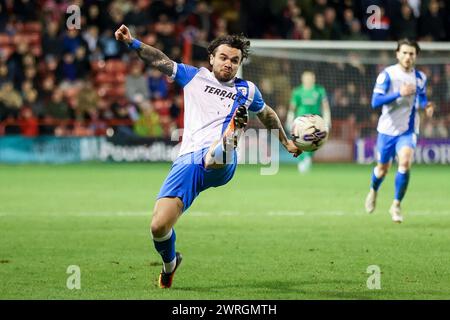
[[401, 184], [166, 246], [376, 182]]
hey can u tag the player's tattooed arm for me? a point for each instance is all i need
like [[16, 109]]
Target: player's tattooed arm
[[152, 56], [271, 121], [156, 58]]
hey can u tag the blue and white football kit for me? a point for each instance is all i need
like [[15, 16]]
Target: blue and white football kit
[[398, 124], [209, 107]]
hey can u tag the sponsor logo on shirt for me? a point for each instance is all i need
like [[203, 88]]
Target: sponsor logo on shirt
[[221, 92]]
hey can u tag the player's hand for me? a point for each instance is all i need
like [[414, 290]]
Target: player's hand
[[241, 117], [407, 89], [123, 34], [429, 109], [292, 148]]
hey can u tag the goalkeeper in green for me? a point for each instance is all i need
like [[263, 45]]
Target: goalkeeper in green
[[308, 98]]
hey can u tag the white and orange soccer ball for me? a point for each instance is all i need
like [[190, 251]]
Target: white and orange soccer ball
[[309, 132]]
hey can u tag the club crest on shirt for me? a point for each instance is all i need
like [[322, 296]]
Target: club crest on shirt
[[243, 90]]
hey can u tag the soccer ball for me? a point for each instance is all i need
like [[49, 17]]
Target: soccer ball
[[309, 132]]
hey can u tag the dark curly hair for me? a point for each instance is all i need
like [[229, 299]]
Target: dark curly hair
[[235, 41], [411, 43]]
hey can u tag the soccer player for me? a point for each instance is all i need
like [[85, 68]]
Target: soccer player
[[400, 90], [308, 98], [216, 104]]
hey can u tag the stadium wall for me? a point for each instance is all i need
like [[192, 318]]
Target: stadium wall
[[428, 151], [17, 149]]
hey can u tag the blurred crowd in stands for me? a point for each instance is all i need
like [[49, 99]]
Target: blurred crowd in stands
[[60, 80], [425, 20]]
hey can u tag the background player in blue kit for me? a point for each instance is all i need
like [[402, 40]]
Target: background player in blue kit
[[400, 90], [216, 105]]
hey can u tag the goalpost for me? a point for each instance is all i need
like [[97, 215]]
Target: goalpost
[[347, 70]]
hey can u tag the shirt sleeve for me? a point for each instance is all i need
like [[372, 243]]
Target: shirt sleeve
[[258, 103], [382, 84], [183, 73], [422, 92], [379, 99]]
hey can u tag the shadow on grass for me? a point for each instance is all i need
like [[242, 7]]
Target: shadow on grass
[[302, 290], [284, 289]]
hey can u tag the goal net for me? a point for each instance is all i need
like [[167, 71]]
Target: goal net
[[348, 71]]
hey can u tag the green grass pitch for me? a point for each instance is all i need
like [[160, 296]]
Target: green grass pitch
[[284, 236]]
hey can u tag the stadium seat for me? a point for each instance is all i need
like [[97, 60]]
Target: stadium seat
[[110, 91], [162, 106], [103, 78], [29, 38], [5, 39], [97, 65], [113, 66], [120, 78], [34, 26], [118, 91], [33, 38]]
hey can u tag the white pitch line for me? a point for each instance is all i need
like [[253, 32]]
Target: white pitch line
[[286, 213], [427, 213], [113, 214], [199, 213], [280, 213]]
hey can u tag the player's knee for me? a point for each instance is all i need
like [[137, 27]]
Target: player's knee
[[404, 164], [382, 170], [404, 167], [405, 159], [157, 227]]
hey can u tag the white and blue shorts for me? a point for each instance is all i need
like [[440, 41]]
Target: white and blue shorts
[[388, 146], [188, 177]]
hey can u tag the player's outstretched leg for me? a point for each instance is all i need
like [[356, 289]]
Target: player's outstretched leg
[[401, 182], [222, 151], [378, 174], [165, 214], [396, 212], [371, 200], [165, 279]]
